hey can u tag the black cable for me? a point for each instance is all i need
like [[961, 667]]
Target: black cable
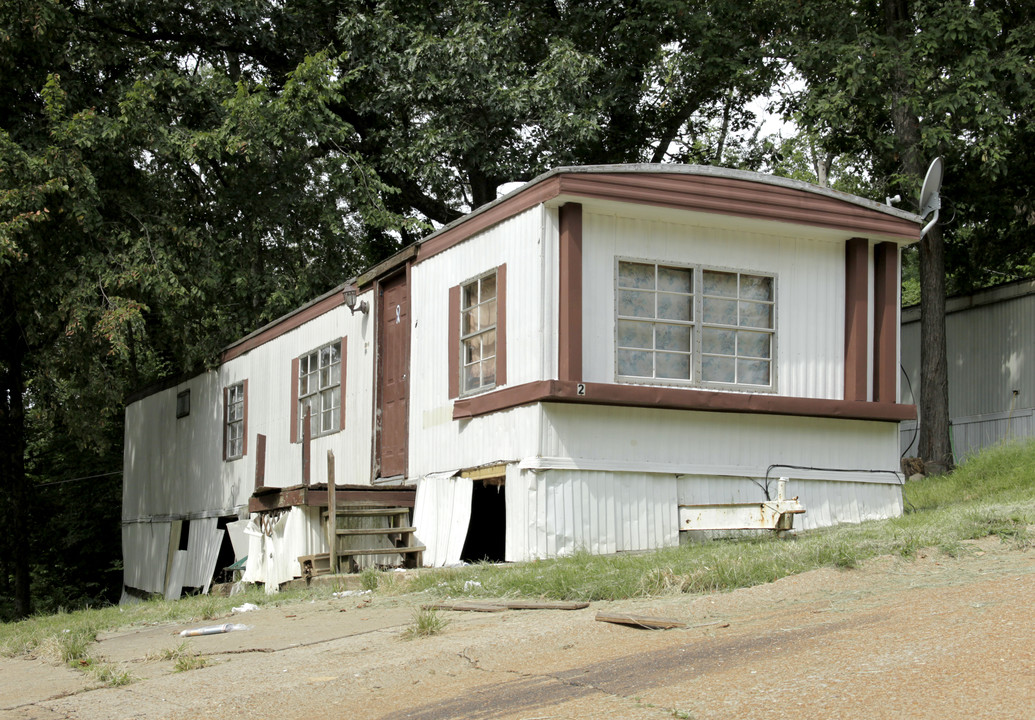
[[769, 469], [916, 428]]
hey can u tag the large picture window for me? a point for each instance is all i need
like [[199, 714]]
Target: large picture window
[[478, 333], [692, 325], [319, 389]]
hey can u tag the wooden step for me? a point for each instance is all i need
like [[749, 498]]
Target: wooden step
[[382, 551], [368, 512], [375, 531]]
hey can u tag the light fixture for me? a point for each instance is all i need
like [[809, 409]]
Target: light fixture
[[350, 301]]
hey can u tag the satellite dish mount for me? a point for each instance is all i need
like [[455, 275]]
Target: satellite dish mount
[[930, 200]]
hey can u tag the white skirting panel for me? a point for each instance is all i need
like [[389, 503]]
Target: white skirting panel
[[145, 553], [442, 514], [273, 559], [557, 512]]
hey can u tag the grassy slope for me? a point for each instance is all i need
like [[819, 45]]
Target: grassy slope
[[992, 494]]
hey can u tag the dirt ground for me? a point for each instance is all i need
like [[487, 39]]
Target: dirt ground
[[934, 637]]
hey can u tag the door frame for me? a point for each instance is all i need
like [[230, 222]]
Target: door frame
[[379, 283]]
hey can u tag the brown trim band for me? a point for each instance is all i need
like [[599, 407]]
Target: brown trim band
[[562, 391], [344, 350], [857, 280], [244, 422], [454, 341], [569, 323], [885, 321], [501, 325], [284, 326], [293, 410]]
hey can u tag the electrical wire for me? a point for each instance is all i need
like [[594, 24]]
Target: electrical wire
[[769, 469], [916, 428], [69, 480]]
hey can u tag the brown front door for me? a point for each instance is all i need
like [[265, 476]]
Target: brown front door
[[393, 376]]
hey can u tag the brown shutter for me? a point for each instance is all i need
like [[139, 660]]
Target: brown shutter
[[293, 412], [885, 321], [244, 423], [856, 317], [501, 325], [226, 417], [569, 322], [454, 341], [344, 349]]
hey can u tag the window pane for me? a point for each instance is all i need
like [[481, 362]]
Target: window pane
[[673, 366], [488, 344], [718, 369], [472, 350], [336, 374], [636, 363], [756, 287], [636, 304], [720, 283], [674, 307], [753, 344], [303, 385], [470, 321], [632, 334], [325, 357], [472, 377], [753, 372], [720, 312], [325, 377], [335, 353], [758, 315], [488, 372], [488, 289], [675, 279], [470, 295], [673, 337], [635, 275], [487, 314], [719, 341]]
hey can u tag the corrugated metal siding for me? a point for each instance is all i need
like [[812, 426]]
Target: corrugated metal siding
[[991, 353], [437, 443], [558, 512], [145, 549], [810, 291], [698, 442], [174, 467]]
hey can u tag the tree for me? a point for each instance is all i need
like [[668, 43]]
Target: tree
[[902, 82]]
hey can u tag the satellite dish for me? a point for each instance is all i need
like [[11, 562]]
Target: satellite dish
[[930, 200]]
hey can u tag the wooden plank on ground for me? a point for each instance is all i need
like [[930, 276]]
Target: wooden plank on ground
[[467, 607], [543, 605], [643, 621]]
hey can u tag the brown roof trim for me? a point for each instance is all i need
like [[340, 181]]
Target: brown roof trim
[[561, 391], [323, 304]]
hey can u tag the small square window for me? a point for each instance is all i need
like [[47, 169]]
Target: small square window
[[183, 404]]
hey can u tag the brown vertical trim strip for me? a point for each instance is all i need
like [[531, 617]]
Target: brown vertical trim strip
[[226, 416], [501, 325], [341, 391], [307, 443], [260, 461], [856, 315], [885, 322], [244, 424], [293, 411], [569, 341], [454, 341]]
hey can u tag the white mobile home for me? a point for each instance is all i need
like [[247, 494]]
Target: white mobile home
[[560, 369]]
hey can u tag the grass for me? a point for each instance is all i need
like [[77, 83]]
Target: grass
[[426, 622], [992, 494]]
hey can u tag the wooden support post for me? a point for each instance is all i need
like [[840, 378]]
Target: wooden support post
[[260, 461], [332, 513], [307, 436]]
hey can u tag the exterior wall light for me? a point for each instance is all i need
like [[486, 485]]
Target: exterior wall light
[[350, 302]]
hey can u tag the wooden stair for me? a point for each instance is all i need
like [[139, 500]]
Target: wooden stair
[[394, 531]]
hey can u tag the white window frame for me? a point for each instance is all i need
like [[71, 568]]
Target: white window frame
[[698, 324], [235, 421], [319, 387], [477, 311]]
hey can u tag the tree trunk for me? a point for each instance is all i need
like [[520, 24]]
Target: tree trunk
[[935, 445], [13, 482]]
